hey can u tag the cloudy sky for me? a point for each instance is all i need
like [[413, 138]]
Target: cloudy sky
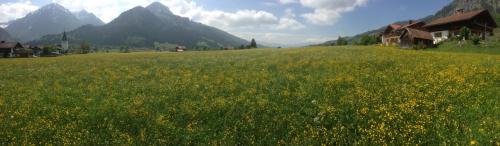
[[283, 22]]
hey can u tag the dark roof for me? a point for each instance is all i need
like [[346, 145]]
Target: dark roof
[[457, 18], [415, 33], [414, 25], [9, 45], [399, 27]]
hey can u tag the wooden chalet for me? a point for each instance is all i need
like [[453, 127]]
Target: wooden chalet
[[416, 39], [393, 32], [391, 35], [9, 49], [480, 22]]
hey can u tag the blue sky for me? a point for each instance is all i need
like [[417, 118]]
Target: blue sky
[[283, 22]]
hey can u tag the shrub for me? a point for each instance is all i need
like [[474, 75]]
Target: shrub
[[476, 40]]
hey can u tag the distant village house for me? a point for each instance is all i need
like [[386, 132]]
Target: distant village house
[[180, 49], [9, 49], [16, 49]]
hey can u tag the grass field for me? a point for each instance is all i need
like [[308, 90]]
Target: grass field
[[313, 96]]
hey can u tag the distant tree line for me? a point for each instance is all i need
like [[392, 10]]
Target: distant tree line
[[252, 45], [366, 40], [363, 40], [341, 41]]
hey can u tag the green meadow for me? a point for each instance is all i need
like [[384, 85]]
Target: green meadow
[[308, 96]]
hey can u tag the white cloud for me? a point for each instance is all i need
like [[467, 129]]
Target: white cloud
[[270, 4], [11, 11], [287, 1], [275, 39], [327, 12], [289, 22], [241, 18]]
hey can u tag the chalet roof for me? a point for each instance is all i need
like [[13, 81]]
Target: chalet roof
[[399, 27], [9, 45], [413, 25], [415, 33], [391, 28], [457, 18]]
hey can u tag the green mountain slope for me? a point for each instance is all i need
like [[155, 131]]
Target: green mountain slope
[[141, 27], [88, 18]]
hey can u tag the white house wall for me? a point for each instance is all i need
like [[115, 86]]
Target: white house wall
[[444, 36]]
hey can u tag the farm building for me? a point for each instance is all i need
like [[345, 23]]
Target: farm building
[[391, 35], [414, 38], [180, 49], [393, 32], [9, 49], [480, 22]]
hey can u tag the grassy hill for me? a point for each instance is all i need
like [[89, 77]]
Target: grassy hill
[[313, 96]]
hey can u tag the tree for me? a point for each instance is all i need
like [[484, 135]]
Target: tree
[[368, 40], [253, 44], [341, 41], [202, 45], [47, 50], [476, 40], [156, 46], [164, 46], [465, 33]]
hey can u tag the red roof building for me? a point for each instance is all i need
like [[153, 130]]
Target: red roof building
[[391, 35]]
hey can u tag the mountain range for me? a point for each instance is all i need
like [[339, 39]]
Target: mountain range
[[50, 19], [4, 35], [88, 18], [143, 26], [492, 5]]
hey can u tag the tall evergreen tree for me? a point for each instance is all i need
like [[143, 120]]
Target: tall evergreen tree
[[253, 44]]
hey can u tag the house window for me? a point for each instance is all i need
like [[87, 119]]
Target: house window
[[438, 34]]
